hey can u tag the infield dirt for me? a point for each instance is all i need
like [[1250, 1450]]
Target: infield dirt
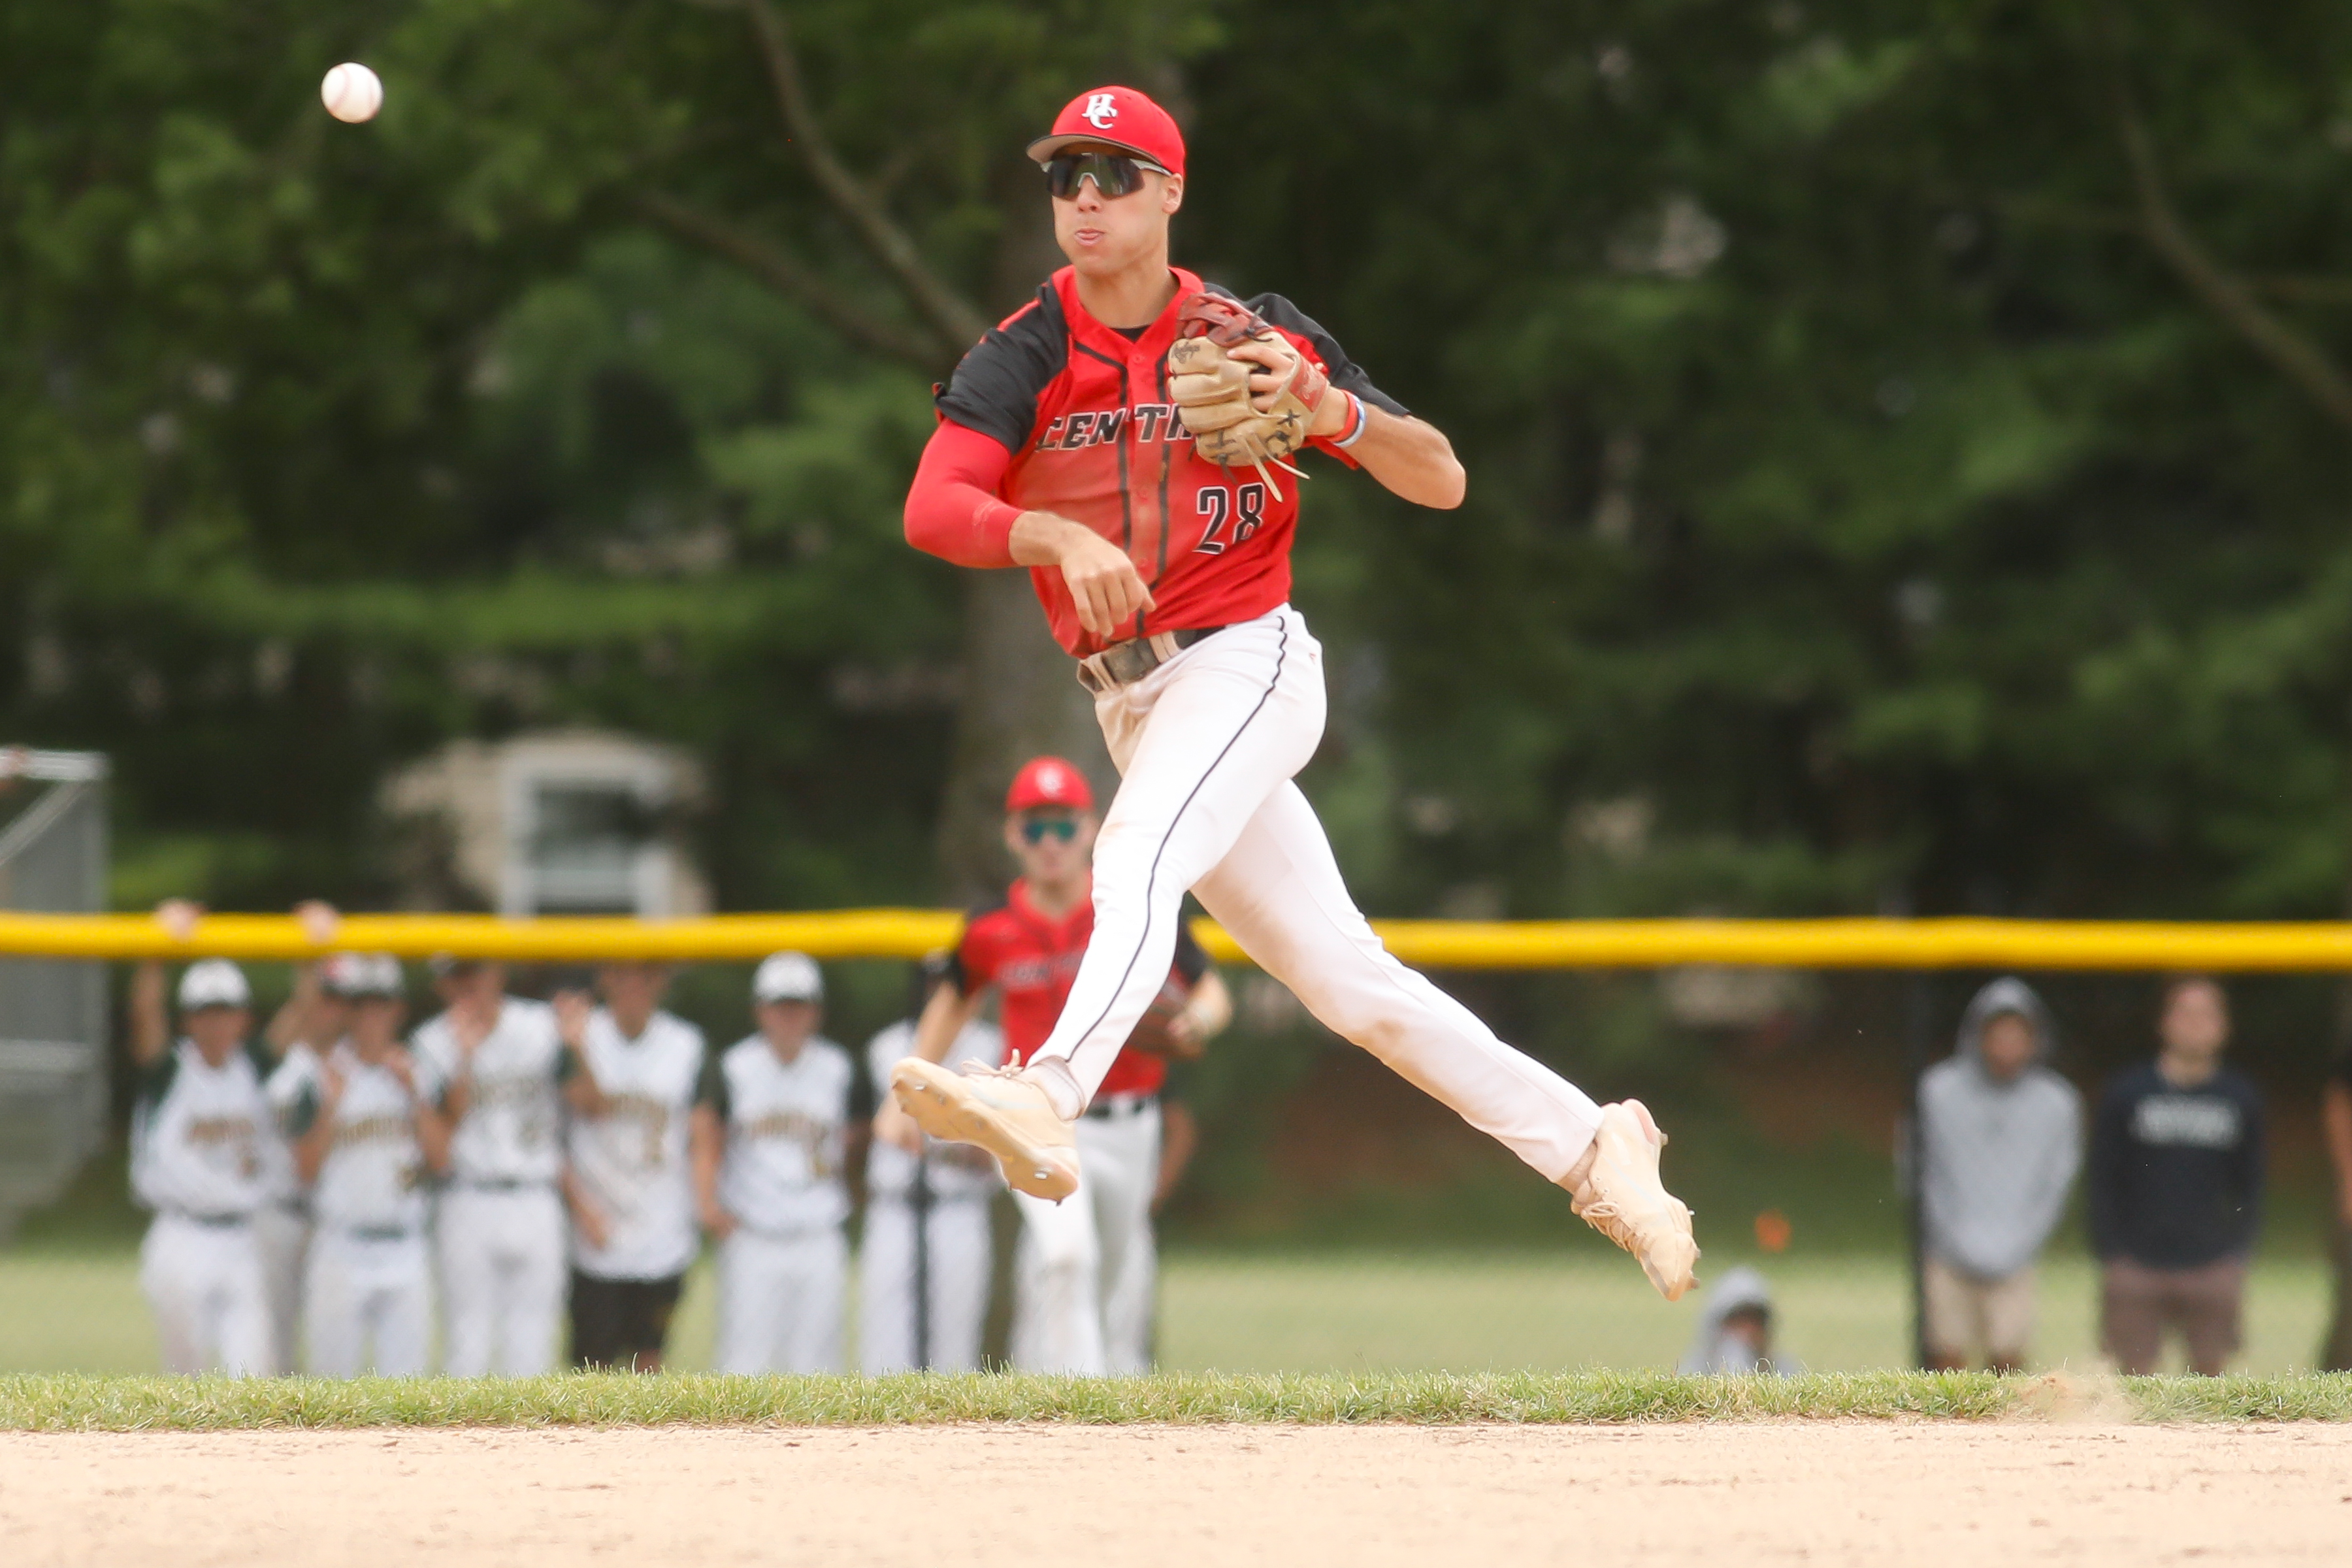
[[1845, 1492]]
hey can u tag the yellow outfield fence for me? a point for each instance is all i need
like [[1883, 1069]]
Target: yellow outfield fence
[[1941, 944]]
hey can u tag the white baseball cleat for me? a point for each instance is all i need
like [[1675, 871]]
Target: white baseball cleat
[[1622, 1198], [999, 1110]]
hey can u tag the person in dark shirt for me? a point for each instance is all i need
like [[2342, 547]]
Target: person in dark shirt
[[2335, 1124], [2176, 1181]]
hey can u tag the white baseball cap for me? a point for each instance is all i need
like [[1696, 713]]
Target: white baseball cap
[[788, 977], [214, 983], [352, 975]]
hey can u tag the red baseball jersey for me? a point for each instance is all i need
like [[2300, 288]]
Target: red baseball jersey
[[1032, 961], [1085, 412]]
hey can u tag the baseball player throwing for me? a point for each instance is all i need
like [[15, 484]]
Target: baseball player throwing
[[501, 1229], [768, 1124], [1124, 437], [200, 1145], [1086, 1267]]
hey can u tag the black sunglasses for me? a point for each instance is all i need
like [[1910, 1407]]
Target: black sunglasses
[[1113, 174], [1036, 830]]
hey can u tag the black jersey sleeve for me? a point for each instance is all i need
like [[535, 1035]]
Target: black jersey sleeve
[[996, 385], [1346, 373], [710, 1088], [1191, 961]]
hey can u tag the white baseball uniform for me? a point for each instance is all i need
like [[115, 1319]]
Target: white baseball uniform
[[499, 1230], [632, 1160], [1207, 744], [781, 1271], [281, 1235], [367, 1297], [941, 1235], [199, 1158], [1087, 1270]]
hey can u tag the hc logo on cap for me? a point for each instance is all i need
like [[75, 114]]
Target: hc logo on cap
[[1099, 111]]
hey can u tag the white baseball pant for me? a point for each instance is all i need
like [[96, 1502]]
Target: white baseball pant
[[1206, 745], [503, 1275], [281, 1235], [367, 1305], [1085, 1269], [956, 1232], [780, 1301], [204, 1282]]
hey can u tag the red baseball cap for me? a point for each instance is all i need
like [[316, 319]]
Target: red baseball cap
[[1049, 781], [1117, 117]]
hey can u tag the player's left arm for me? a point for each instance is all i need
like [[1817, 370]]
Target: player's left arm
[[1410, 455], [706, 1147]]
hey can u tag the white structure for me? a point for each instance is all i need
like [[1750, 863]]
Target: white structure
[[561, 822], [53, 1066]]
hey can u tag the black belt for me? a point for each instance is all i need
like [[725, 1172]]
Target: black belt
[[1119, 1107], [212, 1221], [379, 1232], [1125, 663], [503, 1185]]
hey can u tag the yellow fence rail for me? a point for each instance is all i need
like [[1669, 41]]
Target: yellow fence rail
[[1942, 943]]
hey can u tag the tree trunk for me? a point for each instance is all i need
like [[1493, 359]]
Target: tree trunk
[[1020, 697]]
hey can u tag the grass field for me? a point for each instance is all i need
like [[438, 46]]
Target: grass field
[[66, 1310]]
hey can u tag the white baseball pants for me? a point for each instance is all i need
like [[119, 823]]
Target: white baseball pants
[[780, 1301], [1087, 1270], [956, 1238], [367, 1305], [281, 1235], [1206, 746], [503, 1275], [204, 1282]]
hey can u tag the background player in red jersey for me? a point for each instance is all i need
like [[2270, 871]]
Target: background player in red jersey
[[1086, 1280], [1169, 577]]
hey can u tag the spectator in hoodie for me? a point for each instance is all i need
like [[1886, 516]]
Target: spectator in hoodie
[[1734, 1332], [2001, 1140], [2176, 1184]]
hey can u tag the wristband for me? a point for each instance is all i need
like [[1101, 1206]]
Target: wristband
[[1356, 431]]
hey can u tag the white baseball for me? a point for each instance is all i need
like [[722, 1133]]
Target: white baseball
[[352, 93]]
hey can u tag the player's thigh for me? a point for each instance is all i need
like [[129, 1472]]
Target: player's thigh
[[1218, 738]]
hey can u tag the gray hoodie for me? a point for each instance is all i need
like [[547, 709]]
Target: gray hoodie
[[1717, 1351], [1998, 1157]]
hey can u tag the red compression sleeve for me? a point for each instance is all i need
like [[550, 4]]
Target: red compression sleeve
[[953, 509]]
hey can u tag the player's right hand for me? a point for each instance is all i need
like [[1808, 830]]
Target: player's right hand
[[1103, 582]]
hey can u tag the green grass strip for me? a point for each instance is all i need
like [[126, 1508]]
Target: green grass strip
[[67, 1403]]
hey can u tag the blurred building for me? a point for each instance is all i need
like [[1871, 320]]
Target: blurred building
[[53, 1062], [554, 822]]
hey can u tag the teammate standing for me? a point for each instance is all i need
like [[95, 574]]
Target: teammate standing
[[501, 1231], [199, 1147], [924, 1259], [1167, 576], [770, 1121], [1086, 1267], [630, 1190], [368, 1135], [304, 1029]]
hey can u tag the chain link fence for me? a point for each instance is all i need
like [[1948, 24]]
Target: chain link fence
[[53, 1013]]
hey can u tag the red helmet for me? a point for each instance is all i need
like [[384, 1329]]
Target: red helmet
[[1116, 117], [1049, 781]]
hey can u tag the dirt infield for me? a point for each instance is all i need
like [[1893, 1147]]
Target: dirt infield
[[1846, 1493]]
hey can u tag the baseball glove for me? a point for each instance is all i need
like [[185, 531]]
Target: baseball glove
[[1211, 388], [1152, 1031]]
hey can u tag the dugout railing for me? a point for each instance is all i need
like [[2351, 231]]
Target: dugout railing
[[1920, 946]]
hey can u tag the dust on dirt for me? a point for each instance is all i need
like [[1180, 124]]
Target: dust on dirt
[[1826, 1493]]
